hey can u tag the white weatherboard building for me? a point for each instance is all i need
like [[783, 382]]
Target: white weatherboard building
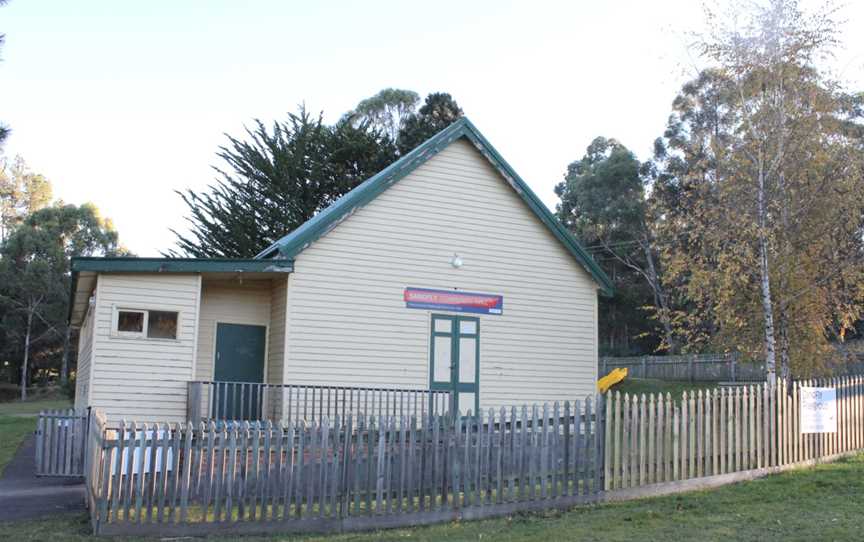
[[442, 272]]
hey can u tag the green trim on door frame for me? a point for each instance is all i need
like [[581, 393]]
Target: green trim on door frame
[[454, 386]]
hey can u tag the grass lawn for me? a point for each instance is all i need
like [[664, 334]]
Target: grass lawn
[[32, 407], [647, 385], [822, 503], [13, 429]]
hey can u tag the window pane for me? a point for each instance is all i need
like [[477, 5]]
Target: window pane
[[130, 321], [162, 325], [443, 326], [441, 361], [467, 360], [466, 403], [468, 327]]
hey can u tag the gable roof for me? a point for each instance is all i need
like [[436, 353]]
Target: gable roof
[[316, 227]]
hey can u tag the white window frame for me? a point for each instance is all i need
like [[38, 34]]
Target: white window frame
[[115, 324]]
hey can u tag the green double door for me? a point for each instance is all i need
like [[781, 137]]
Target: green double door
[[455, 360], [239, 363]]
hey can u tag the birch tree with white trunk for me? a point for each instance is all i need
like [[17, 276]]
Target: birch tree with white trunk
[[767, 188]]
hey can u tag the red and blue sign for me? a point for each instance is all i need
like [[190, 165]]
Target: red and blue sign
[[451, 300]]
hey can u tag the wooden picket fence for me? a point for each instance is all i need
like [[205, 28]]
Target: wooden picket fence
[[369, 472], [348, 473], [60, 443], [653, 439]]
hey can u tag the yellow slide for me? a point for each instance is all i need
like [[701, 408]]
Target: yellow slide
[[614, 377]]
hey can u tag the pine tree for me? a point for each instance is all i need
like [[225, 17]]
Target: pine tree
[[277, 179]]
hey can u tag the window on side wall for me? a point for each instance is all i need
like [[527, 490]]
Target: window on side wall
[[130, 322], [149, 324], [161, 325]]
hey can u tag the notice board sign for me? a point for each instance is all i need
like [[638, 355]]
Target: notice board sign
[[818, 410], [451, 300]]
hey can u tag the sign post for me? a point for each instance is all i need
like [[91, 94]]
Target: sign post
[[818, 410]]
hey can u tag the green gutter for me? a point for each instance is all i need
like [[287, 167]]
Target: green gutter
[[180, 265]]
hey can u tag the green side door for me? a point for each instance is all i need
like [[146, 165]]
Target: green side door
[[454, 363], [239, 359]]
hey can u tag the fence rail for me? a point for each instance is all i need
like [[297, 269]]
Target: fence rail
[[292, 403], [851, 367], [374, 471], [721, 357], [690, 368], [654, 439], [60, 443], [368, 472]]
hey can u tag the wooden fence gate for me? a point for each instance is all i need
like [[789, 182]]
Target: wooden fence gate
[[60, 443]]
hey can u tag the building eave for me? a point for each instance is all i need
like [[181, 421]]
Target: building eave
[[92, 266], [181, 265]]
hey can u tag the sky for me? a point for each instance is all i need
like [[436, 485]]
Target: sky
[[122, 103]]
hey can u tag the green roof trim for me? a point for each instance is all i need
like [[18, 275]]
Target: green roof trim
[[180, 265], [88, 264], [313, 229]]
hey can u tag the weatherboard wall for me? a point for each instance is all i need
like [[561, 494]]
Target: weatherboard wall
[[276, 340], [228, 302], [85, 354], [245, 302], [136, 378], [347, 322]]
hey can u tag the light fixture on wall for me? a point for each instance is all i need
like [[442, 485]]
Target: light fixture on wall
[[456, 261]]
